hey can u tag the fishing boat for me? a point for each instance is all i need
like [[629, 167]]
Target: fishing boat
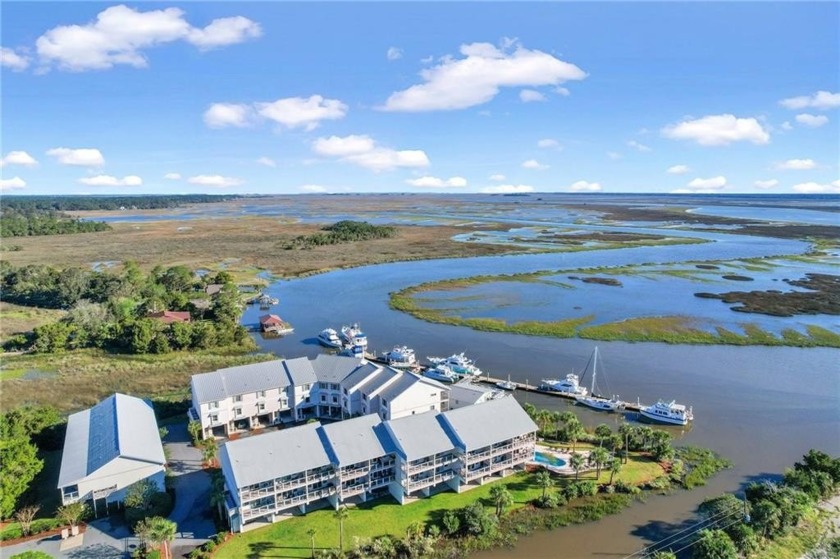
[[569, 385], [441, 373], [353, 336], [592, 400], [459, 363], [401, 357], [506, 384], [329, 338], [668, 412]]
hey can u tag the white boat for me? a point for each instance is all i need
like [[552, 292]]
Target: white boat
[[569, 385], [668, 412], [441, 373], [329, 338], [401, 357], [353, 336], [459, 363], [591, 399], [506, 384], [353, 351]]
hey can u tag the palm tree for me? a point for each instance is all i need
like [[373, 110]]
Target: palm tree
[[217, 493], [210, 450], [645, 433], [341, 514], [615, 467], [599, 456], [545, 481], [311, 533], [603, 432], [501, 498], [576, 461], [530, 409], [543, 419], [160, 532], [626, 430], [574, 430]]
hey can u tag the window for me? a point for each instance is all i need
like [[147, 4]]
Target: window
[[214, 418], [323, 397], [364, 397], [384, 402], [214, 405], [237, 398], [335, 399], [237, 412], [334, 386], [345, 391], [261, 394], [306, 387], [261, 407], [431, 407]]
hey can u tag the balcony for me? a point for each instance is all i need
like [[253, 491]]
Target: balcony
[[256, 494], [252, 513], [412, 468], [414, 485], [352, 474], [352, 490]]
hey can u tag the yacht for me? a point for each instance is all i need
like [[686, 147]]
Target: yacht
[[353, 351], [569, 385], [459, 364], [441, 373], [506, 384], [598, 402], [668, 412], [329, 338], [401, 357], [353, 336]]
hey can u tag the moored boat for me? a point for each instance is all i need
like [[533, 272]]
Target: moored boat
[[668, 412], [506, 384], [401, 357], [459, 364], [329, 338], [441, 373], [592, 400], [569, 385], [353, 336]]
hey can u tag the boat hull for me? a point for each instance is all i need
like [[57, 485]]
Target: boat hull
[[600, 405], [441, 378], [328, 343], [662, 419]]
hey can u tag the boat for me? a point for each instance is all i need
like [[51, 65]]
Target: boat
[[441, 373], [459, 364], [353, 336], [506, 384], [401, 357], [569, 385], [594, 401], [668, 412], [353, 351], [329, 338]]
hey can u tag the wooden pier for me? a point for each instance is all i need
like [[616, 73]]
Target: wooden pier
[[628, 406]]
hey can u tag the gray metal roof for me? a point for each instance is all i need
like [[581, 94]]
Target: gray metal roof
[[300, 371], [233, 381], [354, 440], [119, 426], [334, 368], [380, 380], [271, 455], [467, 391], [421, 435], [362, 374], [488, 423]]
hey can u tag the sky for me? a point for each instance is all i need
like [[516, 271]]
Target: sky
[[278, 98]]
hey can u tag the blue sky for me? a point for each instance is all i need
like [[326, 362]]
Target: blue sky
[[269, 97]]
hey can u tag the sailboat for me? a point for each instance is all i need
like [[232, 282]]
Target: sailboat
[[592, 399], [506, 384]]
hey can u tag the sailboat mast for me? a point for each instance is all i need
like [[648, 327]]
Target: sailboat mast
[[594, 370]]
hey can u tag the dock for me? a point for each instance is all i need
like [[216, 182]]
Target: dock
[[628, 406]]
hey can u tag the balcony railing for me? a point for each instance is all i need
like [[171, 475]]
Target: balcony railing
[[412, 468], [261, 511], [414, 485], [256, 494]]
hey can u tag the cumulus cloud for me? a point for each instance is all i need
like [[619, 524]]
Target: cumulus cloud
[[718, 130], [108, 180], [221, 115], [812, 121], [362, 150], [507, 189], [12, 184], [394, 53], [787, 126], [638, 146], [678, 169], [548, 143], [797, 165], [707, 185], [300, 112], [216, 181], [534, 164], [83, 157], [585, 186], [120, 34], [614, 155], [435, 182], [474, 79], [770, 183], [172, 176], [530, 96], [18, 158], [267, 161], [497, 177], [819, 100], [816, 188], [10, 59], [562, 91]]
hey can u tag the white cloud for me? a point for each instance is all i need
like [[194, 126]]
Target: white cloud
[[459, 83], [638, 146], [816, 188], [172, 176], [497, 177], [796, 165], [300, 112], [562, 91], [18, 158], [435, 182], [548, 143], [819, 100], [813, 121], [530, 96], [534, 164], [585, 186], [787, 126], [394, 53], [707, 185], [220, 115], [614, 155], [267, 161], [718, 130], [120, 34], [12, 184], [678, 169], [84, 157], [313, 188], [216, 181], [363, 151], [108, 180], [770, 183], [507, 189], [11, 59]]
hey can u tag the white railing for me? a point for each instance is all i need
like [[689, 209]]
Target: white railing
[[256, 493], [251, 513]]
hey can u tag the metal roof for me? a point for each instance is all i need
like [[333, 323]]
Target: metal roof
[[418, 436], [271, 455], [119, 426], [300, 371], [334, 368], [484, 424], [233, 381], [354, 440], [362, 374], [379, 381]]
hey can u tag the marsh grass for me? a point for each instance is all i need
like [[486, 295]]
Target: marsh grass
[[17, 319]]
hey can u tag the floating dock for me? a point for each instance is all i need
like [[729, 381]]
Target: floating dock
[[628, 406]]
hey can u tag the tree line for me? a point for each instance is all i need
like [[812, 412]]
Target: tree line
[[345, 231], [84, 203], [29, 222]]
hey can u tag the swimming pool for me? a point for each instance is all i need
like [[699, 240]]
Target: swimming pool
[[549, 459]]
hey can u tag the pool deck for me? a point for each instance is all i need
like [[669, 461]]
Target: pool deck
[[565, 470]]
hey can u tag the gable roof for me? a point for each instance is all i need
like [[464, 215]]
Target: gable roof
[[270, 319], [119, 426], [169, 317], [362, 374], [300, 371], [355, 440], [418, 436], [334, 368], [244, 379], [488, 423]]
